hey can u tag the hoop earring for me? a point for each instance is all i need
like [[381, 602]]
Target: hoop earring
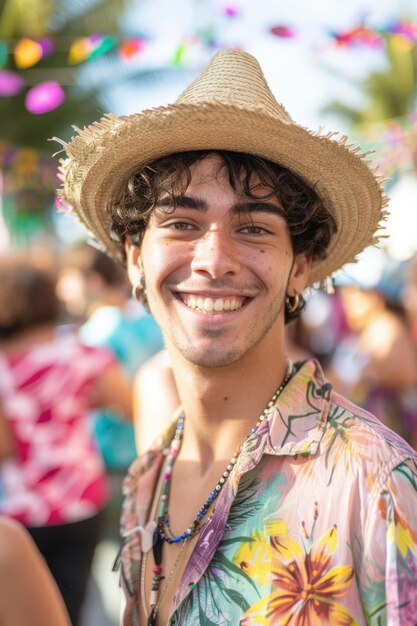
[[292, 302], [139, 291]]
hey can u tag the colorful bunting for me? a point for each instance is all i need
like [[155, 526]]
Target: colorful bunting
[[100, 45], [282, 31], [27, 53], [47, 46], [3, 54], [131, 49], [44, 97], [231, 11], [359, 36], [10, 83], [408, 29], [90, 47], [79, 51], [178, 55]]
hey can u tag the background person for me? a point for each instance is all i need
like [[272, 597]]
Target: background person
[[55, 484], [375, 363], [97, 295]]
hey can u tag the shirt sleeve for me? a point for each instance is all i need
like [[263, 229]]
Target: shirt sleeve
[[388, 572]]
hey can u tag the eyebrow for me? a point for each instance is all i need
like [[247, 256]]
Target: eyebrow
[[183, 202], [199, 204]]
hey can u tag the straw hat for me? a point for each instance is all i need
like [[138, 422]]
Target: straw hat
[[228, 107]]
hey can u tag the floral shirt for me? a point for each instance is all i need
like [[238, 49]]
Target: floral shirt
[[317, 523], [57, 475]]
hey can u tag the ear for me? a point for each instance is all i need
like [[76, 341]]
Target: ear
[[134, 263], [298, 275]]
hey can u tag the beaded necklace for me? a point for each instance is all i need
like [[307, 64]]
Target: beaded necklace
[[163, 531]]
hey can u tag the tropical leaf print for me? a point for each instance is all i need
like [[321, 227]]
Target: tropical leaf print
[[246, 503]]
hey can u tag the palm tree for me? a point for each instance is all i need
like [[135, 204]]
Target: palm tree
[[389, 93], [385, 123]]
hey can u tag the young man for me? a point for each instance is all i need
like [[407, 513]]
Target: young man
[[271, 500]]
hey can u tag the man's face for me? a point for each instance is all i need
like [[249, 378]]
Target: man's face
[[217, 269]]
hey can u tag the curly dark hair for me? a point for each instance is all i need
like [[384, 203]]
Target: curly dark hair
[[310, 224]]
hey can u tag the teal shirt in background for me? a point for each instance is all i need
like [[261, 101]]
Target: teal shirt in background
[[133, 336]]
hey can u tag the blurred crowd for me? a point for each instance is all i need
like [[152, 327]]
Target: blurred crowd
[[85, 383], [365, 337], [71, 341]]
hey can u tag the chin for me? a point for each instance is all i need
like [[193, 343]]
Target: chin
[[209, 359]]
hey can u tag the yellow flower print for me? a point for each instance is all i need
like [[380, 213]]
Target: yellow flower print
[[399, 531], [400, 535], [305, 587]]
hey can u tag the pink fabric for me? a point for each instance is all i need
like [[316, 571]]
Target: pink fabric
[[58, 475]]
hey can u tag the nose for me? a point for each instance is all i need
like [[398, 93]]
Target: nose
[[216, 255]]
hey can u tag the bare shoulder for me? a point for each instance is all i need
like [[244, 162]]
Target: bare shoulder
[[157, 364], [28, 594], [155, 398], [14, 543]]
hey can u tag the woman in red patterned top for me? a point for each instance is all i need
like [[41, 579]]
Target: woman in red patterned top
[[53, 480]]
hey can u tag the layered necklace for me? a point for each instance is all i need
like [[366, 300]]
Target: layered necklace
[[163, 532]]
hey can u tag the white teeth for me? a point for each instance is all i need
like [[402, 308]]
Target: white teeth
[[208, 305]]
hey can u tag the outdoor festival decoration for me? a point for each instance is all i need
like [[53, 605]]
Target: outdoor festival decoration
[[26, 169], [44, 97], [11, 83], [131, 48], [231, 11], [90, 47], [282, 31], [3, 54], [394, 142], [29, 181], [27, 52]]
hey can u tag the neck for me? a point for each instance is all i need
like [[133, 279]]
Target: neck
[[221, 405]]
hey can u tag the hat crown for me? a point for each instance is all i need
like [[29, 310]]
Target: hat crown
[[234, 77]]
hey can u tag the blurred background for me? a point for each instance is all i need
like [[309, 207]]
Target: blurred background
[[350, 67]]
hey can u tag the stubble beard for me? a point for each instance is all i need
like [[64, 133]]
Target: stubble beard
[[212, 358]]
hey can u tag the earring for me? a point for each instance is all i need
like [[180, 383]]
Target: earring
[[292, 302], [139, 291]]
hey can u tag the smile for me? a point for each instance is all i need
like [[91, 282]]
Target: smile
[[204, 304]]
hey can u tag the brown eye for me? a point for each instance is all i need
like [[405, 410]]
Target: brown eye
[[254, 230], [180, 226]]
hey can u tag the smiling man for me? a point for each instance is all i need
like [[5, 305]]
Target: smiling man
[[271, 499]]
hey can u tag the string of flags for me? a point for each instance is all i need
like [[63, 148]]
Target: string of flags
[[48, 95]]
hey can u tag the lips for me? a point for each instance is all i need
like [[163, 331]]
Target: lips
[[205, 304]]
